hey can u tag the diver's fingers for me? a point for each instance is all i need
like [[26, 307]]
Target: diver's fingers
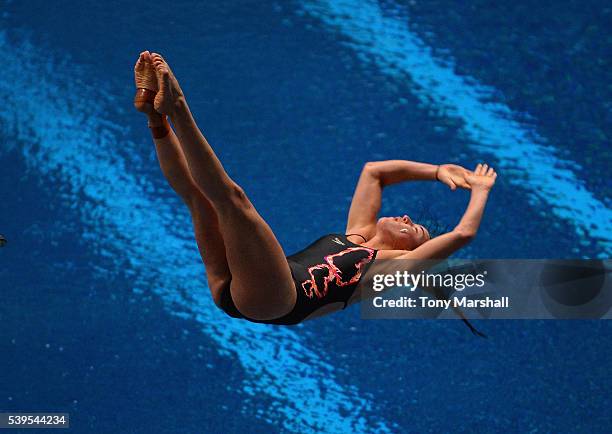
[[464, 184], [477, 170], [490, 172]]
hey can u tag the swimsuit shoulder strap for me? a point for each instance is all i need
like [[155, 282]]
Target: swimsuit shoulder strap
[[359, 235]]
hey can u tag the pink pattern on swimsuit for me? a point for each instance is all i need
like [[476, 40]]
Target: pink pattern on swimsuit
[[310, 286]]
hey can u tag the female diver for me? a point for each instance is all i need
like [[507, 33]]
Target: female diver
[[248, 273]]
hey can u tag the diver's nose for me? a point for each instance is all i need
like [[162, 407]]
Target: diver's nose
[[407, 219]]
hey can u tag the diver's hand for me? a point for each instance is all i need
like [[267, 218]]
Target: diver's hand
[[454, 176], [483, 178]]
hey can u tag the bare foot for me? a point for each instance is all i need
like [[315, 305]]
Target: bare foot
[[170, 94], [146, 83]]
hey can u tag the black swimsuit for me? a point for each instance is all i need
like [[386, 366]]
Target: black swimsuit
[[327, 271]]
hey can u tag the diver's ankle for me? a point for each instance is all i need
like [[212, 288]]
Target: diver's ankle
[[143, 101], [158, 124], [155, 119]]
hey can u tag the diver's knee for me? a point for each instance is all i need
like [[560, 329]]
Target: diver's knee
[[237, 194], [233, 198]]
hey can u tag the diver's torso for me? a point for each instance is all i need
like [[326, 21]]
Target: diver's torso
[[327, 272]]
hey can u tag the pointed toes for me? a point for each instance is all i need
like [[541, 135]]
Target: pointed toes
[[166, 79], [161, 68], [158, 60], [163, 76], [139, 63]]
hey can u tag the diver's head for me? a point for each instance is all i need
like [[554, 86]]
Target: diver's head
[[401, 233]]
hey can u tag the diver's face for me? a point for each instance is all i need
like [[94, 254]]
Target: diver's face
[[402, 233]]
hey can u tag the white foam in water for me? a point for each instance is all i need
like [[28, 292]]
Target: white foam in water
[[67, 141], [387, 41]]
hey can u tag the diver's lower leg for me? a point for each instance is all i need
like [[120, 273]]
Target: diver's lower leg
[[169, 153], [204, 165], [206, 169], [171, 160]]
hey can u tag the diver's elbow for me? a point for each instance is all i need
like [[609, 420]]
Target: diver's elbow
[[371, 167], [372, 170], [465, 235]]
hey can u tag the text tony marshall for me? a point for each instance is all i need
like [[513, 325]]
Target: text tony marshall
[[464, 302]]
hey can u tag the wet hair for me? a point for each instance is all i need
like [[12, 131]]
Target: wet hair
[[434, 226]]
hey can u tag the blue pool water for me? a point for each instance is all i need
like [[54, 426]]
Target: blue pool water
[[106, 314]]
